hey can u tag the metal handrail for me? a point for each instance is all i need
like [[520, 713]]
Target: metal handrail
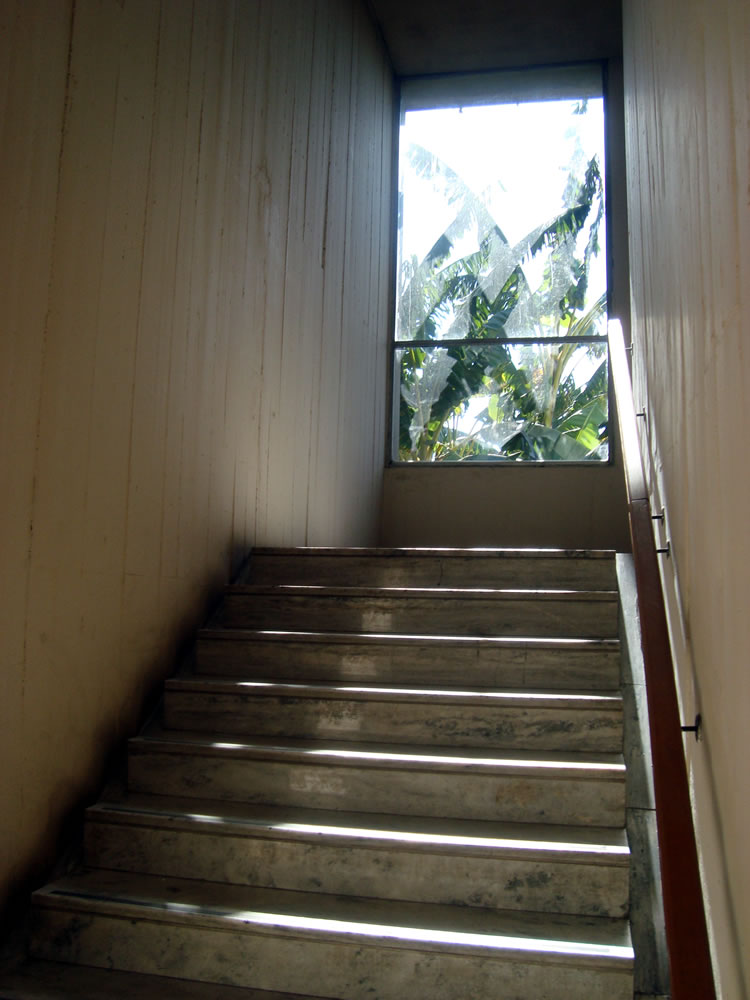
[[690, 965]]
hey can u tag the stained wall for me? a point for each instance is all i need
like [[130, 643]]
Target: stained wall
[[687, 91], [195, 199]]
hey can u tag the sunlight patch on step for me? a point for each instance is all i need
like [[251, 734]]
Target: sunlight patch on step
[[479, 761], [504, 942], [415, 758], [372, 620], [490, 640], [447, 840], [440, 591], [519, 695]]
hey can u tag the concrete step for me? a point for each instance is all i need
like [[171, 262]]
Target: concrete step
[[510, 785], [434, 611], [60, 981], [397, 714], [407, 785], [504, 866], [434, 567], [283, 654], [348, 948]]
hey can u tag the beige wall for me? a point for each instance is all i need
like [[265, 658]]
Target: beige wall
[[194, 195], [687, 84], [555, 507]]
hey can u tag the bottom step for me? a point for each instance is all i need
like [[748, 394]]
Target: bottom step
[[56, 981], [361, 949]]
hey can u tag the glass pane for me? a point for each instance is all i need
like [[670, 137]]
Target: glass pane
[[501, 222], [538, 402]]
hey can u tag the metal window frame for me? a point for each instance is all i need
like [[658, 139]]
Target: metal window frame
[[571, 81]]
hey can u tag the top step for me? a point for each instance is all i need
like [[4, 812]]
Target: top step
[[574, 569]]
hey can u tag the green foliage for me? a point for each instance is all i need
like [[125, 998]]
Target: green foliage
[[461, 401]]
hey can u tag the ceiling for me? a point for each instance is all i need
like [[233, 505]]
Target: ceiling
[[449, 36]]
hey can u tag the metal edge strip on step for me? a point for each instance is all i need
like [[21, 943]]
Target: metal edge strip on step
[[495, 552], [397, 638], [520, 698], [530, 847], [306, 590], [596, 766]]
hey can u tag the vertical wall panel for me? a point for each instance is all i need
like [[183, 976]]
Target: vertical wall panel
[[687, 94], [33, 67], [193, 343], [329, 374]]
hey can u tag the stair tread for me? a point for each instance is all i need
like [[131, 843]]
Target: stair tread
[[608, 766], [440, 610], [351, 656], [428, 926], [38, 980], [602, 845], [507, 698], [446, 551], [433, 593], [396, 638]]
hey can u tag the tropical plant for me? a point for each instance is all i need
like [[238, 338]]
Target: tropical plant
[[464, 400]]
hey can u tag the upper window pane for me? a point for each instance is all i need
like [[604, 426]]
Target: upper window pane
[[501, 221]]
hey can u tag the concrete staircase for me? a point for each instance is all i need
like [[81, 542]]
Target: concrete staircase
[[386, 774]]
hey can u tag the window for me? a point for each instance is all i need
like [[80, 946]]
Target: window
[[500, 336]]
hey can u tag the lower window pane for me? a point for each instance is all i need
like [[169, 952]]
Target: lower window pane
[[529, 402]]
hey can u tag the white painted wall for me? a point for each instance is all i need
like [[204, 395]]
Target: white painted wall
[[687, 88], [195, 199]]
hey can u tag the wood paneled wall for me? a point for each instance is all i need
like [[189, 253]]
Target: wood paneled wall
[[687, 86], [195, 198]]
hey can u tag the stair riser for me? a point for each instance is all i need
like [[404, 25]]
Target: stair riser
[[411, 663], [416, 723], [351, 969], [434, 571], [433, 616], [512, 882], [414, 792]]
